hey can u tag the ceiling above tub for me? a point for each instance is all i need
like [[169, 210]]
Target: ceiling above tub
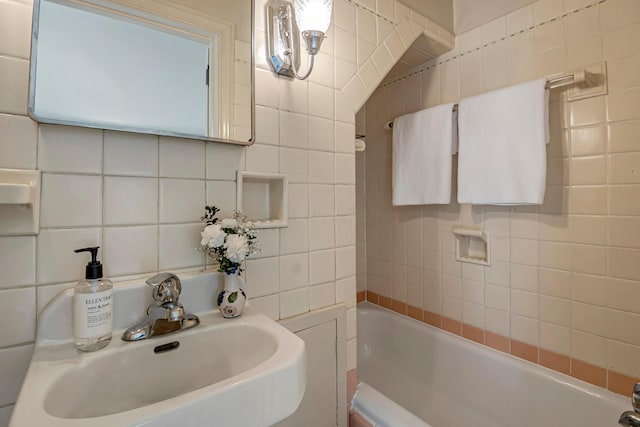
[[421, 51], [459, 16], [463, 15], [469, 14], [439, 11]]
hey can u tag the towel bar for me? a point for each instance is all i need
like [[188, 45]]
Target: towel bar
[[582, 78]]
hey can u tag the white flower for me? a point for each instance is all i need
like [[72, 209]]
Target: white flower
[[212, 236], [237, 247], [228, 223]]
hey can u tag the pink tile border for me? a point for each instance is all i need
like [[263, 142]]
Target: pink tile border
[[497, 342], [357, 420], [473, 333], [555, 361], [589, 373], [452, 326], [619, 383]]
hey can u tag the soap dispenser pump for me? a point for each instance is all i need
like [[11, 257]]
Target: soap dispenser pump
[[93, 306]]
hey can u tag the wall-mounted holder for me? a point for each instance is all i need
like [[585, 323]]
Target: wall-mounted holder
[[262, 197], [473, 245], [594, 83], [19, 202]]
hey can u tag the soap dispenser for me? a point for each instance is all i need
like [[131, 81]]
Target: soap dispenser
[[93, 307]]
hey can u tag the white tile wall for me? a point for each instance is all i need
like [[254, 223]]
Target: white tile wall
[[19, 136], [18, 261], [267, 125], [269, 305], [322, 295], [13, 18], [130, 154], [322, 266], [293, 95], [321, 102], [141, 196], [294, 130], [181, 159], [321, 200], [262, 276], [178, 246], [119, 243], [71, 200], [294, 271], [321, 233], [324, 66], [14, 87], [69, 149], [19, 310], [56, 260], [130, 201], [294, 302], [262, 158], [295, 237], [181, 200], [298, 200], [321, 134], [222, 161], [321, 167], [295, 163], [223, 195]]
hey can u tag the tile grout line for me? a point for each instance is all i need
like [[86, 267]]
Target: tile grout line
[[459, 55], [366, 9]]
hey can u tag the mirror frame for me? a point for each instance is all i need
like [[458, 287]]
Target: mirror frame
[[31, 99]]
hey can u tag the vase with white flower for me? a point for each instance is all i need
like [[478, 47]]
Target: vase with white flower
[[229, 241]]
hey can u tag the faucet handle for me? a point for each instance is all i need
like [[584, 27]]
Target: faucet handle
[[166, 287], [635, 397]]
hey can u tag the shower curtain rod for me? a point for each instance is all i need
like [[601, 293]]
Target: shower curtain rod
[[582, 77]]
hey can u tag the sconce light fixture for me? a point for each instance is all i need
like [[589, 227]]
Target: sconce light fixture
[[285, 22]]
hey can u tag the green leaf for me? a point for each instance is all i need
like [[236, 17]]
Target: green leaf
[[233, 297]]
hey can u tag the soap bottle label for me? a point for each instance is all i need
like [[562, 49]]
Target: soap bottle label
[[94, 314]]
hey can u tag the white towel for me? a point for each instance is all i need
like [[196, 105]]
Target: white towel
[[502, 148], [422, 149]]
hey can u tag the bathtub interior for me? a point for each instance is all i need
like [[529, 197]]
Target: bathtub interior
[[448, 381]]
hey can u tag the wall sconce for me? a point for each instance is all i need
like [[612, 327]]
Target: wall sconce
[[285, 21]]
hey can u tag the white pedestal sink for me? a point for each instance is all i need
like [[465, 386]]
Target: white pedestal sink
[[245, 372]]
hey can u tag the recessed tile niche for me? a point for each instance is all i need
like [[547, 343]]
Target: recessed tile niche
[[262, 197]]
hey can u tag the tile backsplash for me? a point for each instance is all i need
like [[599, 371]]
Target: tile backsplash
[[140, 197], [565, 276]]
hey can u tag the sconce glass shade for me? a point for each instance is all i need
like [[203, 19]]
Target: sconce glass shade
[[313, 15]]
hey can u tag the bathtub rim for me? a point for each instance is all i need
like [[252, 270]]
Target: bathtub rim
[[532, 367]]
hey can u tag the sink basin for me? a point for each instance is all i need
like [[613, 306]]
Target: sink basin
[[130, 378], [248, 371]]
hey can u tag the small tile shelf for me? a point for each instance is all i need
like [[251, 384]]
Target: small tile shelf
[[19, 202], [472, 245], [263, 198]]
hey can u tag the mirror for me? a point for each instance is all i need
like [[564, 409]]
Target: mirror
[[180, 68]]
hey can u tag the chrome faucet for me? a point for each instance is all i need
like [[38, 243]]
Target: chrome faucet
[[632, 418], [166, 314]]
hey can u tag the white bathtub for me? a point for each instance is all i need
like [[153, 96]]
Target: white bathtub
[[448, 381]]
